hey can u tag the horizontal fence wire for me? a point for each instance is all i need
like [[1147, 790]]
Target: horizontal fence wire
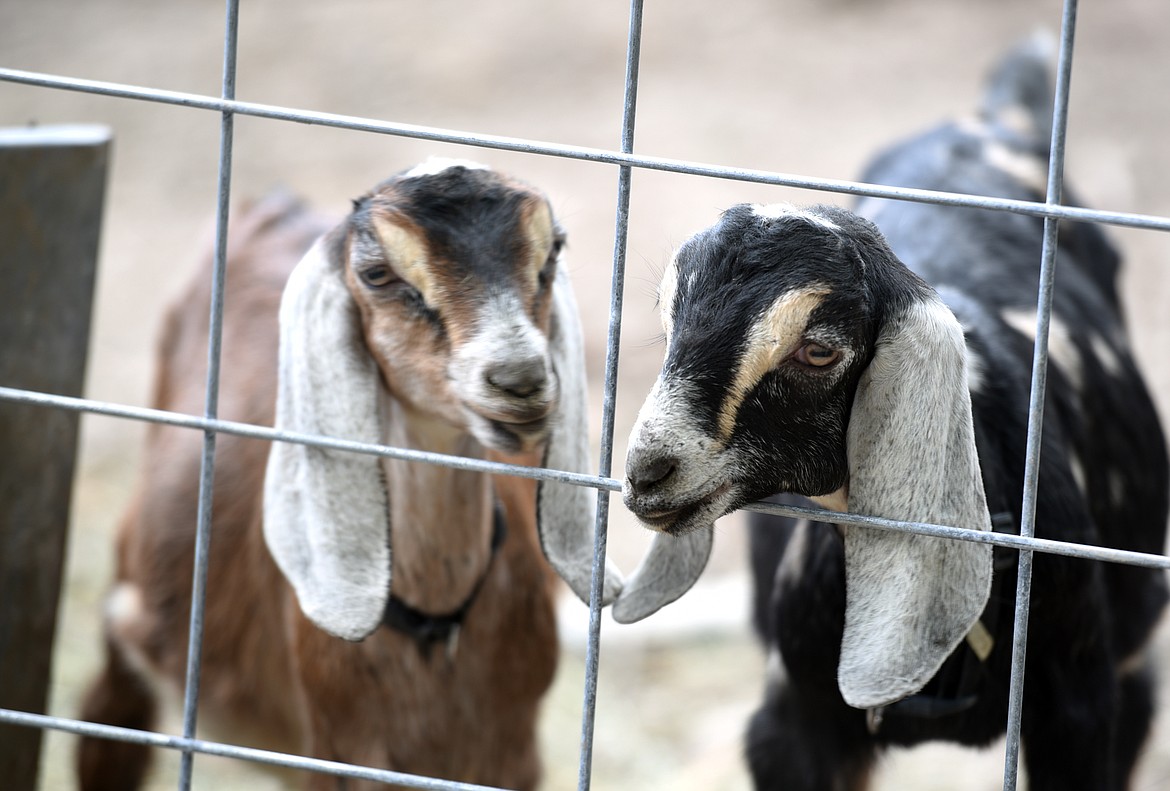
[[219, 749], [144, 414], [585, 153], [1051, 210]]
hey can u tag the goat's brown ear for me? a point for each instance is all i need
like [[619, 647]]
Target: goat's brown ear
[[911, 599], [326, 511], [566, 514]]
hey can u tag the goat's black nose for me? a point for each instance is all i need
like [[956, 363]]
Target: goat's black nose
[[646, 473], [520, 379]]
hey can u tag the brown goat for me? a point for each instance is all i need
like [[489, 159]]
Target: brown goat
[[434, 317]]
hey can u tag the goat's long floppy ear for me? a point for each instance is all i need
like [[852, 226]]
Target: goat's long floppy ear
[[566, 514], [911, 599], [671, 567], [326, 511]]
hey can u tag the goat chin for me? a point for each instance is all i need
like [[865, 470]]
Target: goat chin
[[357, 331]]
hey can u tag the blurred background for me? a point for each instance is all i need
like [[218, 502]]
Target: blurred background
[[811, 87]]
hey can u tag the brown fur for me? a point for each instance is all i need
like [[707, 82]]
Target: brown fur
[[277, 680]]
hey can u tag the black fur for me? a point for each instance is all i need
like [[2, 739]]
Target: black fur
[[469, 216]]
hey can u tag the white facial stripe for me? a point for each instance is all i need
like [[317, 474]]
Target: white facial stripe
[[505, 334], [436, 165], [771, 338], [408, 255], [539, 230], [666, 291], [775, 211]]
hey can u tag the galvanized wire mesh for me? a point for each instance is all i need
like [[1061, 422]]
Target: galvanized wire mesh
[[228, 107]]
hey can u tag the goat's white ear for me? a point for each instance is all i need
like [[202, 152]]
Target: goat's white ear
[[326, 511], [566, 514], [671, 567], [911, 599]]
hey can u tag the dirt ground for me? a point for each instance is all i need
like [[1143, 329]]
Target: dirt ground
[[810, 87]]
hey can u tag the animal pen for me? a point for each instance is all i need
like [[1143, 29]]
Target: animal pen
[[625, 162]]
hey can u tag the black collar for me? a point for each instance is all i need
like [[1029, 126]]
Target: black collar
[[430, 629]]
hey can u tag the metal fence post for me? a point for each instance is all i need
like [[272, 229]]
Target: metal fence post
[[52, 181]]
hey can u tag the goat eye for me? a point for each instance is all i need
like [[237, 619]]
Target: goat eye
[[377, 276], [816, 355], [545, 276]]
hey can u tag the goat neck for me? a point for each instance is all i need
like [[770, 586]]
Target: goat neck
[[435, 571]]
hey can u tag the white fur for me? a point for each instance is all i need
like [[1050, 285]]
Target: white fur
[[126, 615], [1061, 349], [775, 211], [432, 166], [505, 333], [664, 421], [959, 300], [1028, 170], [775, 671], [666, 292], [976, 372]]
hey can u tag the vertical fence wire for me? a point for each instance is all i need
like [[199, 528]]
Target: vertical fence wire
[[609, 405], [211, 401], [1039, 386]]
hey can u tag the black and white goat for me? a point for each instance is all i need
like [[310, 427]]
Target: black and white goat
[[436, 317], [889, 376]]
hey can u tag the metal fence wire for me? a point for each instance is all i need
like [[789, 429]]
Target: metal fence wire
[[229, 108]]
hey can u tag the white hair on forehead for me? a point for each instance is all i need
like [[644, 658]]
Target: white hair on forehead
[[666, 291], [435, 165], [776, 211]]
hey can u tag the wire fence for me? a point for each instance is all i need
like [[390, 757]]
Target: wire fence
[[228, 107]]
